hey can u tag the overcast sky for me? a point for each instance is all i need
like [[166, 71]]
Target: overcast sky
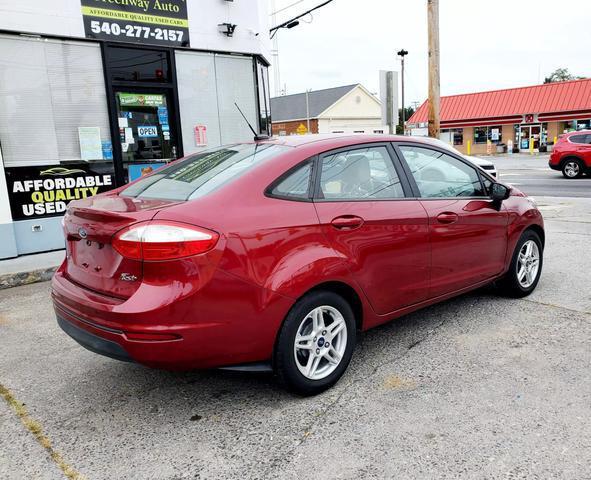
[[484, 45]]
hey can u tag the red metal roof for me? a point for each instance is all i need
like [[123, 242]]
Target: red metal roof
[[560, 97]]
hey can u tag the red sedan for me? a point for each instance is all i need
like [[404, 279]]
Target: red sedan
[[572, 154], [278, 252]]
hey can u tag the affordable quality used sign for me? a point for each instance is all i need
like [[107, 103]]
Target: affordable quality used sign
[[37, 192], [159, 22]]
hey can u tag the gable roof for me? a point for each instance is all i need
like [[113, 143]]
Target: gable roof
[[293, 107], [570, 96]]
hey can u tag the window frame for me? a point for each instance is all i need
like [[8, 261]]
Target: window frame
[[269, 190], [413, 183], [398, 168]]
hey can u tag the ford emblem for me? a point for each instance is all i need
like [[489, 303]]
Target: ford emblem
[[83, 233]]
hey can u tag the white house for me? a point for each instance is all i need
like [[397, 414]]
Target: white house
[[347, 109]]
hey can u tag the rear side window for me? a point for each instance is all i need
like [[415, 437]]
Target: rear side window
[[583, 139], [202, 173], [296, 184], [360, 174], [439, 175]]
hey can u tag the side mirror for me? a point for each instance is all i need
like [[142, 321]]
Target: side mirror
[[499, 192]]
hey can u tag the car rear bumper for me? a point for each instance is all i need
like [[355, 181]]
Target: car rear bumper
[[554, 161], [161, 329], [553, 166], [92, 342]]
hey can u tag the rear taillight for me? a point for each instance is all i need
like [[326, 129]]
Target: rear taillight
[[163, 240]]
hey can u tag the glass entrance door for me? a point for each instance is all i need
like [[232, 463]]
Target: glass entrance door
[[146, 131], [528, 133]]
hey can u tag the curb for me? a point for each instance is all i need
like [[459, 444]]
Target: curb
[[10, 280]]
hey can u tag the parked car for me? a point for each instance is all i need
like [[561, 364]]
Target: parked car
[[483, 163], [278, 252], [479, 161], [572, 154]]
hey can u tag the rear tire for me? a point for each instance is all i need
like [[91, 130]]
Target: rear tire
[[315, 343], [572, 168], [526, 267]]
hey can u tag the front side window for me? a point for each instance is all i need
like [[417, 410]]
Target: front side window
[[296, 184], [439, 175], [202, 173], [361, 174]]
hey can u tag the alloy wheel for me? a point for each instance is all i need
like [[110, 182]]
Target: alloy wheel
[[528, 264], [320, 342], [571, 169]]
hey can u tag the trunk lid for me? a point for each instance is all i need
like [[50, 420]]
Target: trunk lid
[[89, 226]]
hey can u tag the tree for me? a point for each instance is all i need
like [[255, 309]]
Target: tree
[[408, 113], [561, 75]]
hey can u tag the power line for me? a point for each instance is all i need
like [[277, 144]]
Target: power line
[[285, 8], [273, 31]]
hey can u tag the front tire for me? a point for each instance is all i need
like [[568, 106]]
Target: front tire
[[526, 266], [315, 344], [572, 168]]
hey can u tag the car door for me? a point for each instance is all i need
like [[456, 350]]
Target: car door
[[361, 201], [468, 230]]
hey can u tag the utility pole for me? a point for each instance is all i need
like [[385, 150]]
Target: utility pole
[[402, 53], [433, 26], [307, 111], [275, 54]]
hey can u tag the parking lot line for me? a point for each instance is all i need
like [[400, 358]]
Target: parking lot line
[[35, 428]]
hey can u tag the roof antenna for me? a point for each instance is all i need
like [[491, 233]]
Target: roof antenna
[[257, 137]]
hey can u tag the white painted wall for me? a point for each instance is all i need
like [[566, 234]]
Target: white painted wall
[[64, 18], [358, 110], [350, 125]]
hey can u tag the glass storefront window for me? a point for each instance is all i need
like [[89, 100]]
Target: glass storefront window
[[493, 133], [138, 65], [51, 89]]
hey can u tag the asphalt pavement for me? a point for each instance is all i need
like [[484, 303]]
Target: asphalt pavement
[[531, 174], [477, 387]]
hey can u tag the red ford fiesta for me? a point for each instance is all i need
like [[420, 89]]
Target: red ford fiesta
[[277, 252]]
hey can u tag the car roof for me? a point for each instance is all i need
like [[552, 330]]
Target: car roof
[[578, 132], [345, 139]]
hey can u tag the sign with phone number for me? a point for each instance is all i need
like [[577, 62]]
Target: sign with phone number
[[140, 21]]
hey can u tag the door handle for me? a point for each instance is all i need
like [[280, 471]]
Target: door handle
[[447, 217], [347, 222]]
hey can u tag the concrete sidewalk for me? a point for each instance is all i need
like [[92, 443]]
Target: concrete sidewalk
[[29, 268]]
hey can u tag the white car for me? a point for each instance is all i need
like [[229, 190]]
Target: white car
[[486, 165]]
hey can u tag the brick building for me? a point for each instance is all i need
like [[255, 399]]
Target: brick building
[[524, 118]]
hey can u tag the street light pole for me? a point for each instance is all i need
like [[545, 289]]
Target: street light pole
[[434, 98], [402, 53]]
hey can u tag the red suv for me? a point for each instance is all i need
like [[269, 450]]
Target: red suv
[[278, 252], [572, 154]]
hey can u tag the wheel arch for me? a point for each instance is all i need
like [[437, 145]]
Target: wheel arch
[[570, 157], [539, 231], [344, 290], [348, 293]]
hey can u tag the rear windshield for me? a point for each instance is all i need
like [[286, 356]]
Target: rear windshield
[[202, 173]]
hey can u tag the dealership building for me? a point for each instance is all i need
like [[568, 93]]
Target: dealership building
[[94, 93], [516, 119]]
